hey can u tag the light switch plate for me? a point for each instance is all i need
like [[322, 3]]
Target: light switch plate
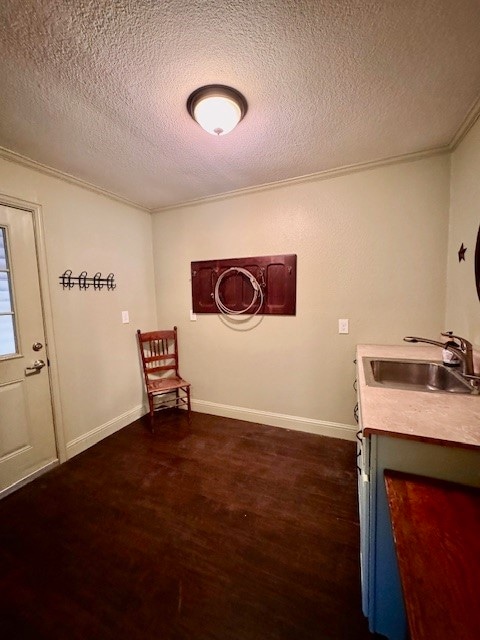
[[343, 325], [193, 316], [125, 317]]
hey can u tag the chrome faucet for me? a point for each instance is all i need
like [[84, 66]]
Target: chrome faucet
[[464, 352]]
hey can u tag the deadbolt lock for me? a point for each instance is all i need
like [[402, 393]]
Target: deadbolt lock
[[36, 346]]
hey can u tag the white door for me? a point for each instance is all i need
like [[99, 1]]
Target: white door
[[27, 437]]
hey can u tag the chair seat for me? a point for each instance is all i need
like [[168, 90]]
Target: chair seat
[[166, 384]]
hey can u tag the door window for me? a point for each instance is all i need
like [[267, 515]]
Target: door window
[[8, 342]]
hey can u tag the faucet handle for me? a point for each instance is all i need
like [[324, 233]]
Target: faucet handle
[[464, 343], [474, 382]]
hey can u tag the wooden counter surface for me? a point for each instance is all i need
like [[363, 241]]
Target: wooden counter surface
[[436, 528]]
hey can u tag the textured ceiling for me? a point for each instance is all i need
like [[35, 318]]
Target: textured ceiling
[[97, 88]]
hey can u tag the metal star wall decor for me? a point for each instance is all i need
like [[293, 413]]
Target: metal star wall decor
[[461, 253]]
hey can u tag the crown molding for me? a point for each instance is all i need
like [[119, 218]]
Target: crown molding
[[13, 156], [467, 124], [311, 177], [470, 119]]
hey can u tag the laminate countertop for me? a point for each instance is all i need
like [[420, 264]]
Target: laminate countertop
[[439, 418]]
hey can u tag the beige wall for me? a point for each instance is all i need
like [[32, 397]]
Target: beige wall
[[463, 306], [97, 362], [371, 247]]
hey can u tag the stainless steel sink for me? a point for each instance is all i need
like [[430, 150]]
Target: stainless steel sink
[[415, 375]]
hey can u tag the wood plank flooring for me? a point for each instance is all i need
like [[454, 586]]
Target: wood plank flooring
[[217, 529]]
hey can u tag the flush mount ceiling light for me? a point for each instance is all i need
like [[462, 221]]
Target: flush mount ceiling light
[[217, 108]]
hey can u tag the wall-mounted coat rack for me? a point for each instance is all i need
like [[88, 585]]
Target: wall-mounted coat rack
[[82, 281]]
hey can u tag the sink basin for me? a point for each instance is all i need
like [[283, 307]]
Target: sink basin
[[415, 375]]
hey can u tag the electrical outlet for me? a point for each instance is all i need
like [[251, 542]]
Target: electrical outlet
[[125, 317], [343, 325]]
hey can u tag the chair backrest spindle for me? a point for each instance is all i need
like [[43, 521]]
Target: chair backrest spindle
[[159, 352]]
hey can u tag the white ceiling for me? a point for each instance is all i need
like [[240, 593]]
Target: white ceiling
[[97, 88]]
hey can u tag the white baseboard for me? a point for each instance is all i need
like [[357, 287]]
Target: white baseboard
[[16, 485], [99, 433], [295, 423]]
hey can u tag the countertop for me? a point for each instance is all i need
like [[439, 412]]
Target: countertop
[[436, 527], [438, 418]]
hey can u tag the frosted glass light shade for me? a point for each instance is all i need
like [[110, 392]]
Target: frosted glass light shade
[[217, 115], [216, 108]]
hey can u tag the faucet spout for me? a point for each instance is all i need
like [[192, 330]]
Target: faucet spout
[[436, 343], [464, 352]]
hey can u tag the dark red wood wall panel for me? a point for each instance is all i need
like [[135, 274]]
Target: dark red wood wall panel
[[277, 276]]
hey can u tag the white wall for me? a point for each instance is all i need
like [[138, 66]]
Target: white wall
[[371, 247], [101, 388], [463, 305]]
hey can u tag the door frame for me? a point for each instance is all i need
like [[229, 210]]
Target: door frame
[[42, 265]]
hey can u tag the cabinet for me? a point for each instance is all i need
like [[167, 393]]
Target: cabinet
[[382, 600]]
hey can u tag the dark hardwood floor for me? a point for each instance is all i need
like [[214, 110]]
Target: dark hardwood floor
[[217, 529]]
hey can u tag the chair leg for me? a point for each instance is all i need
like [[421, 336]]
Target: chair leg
[[188, 403], [150, 404]]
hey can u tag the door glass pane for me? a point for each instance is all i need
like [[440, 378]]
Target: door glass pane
[[7, 317], [3, 250], [5, 296], [7, 336]]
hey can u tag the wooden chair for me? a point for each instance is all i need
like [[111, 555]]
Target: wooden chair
[[159, 353]]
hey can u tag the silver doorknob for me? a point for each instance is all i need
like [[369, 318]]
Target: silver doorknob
[[36, 366]]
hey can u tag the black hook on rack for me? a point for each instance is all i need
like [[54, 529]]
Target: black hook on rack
[[84, 282]]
